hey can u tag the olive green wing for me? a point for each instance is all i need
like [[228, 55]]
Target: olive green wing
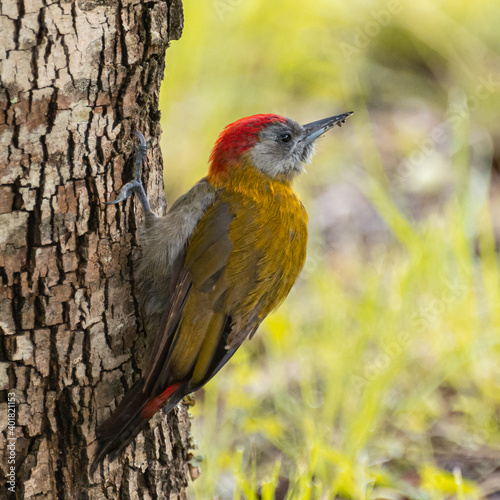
[[191, 317]]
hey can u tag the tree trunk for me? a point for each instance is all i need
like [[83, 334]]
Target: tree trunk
[[76, 78]]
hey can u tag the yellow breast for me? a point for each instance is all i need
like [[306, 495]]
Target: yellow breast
[[269, 237]]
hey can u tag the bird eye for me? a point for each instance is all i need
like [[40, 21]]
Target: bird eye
[[286, 137]]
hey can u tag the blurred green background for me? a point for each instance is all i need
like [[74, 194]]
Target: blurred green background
[[379, 377]]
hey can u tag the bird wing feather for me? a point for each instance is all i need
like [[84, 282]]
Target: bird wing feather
[[191, 314]]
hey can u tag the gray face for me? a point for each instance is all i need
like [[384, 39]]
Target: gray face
[[281, 150]]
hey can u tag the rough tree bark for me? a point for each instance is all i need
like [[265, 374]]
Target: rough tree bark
[[76, 78]]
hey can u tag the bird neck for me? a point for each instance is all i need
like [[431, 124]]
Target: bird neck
[[247, 178]]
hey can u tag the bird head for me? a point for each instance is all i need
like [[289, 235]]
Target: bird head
[[273, 144]]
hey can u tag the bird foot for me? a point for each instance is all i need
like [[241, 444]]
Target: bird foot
[[135, 186]]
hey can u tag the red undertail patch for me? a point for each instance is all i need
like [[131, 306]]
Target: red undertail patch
[[153, 405]]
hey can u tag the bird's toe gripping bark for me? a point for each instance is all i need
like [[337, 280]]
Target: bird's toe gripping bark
[[135, 186]]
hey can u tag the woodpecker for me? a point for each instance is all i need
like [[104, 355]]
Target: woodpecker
[[223, 257]]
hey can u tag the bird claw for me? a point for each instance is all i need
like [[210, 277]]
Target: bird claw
[[140, 153], [135, 185], [126, 190]]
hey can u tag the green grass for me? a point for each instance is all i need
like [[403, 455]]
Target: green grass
[[379, 376], [345, 388]]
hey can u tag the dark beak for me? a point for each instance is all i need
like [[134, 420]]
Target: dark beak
[[314, 129]]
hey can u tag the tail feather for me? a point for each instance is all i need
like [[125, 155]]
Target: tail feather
[[122, 426], [129, 417]]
